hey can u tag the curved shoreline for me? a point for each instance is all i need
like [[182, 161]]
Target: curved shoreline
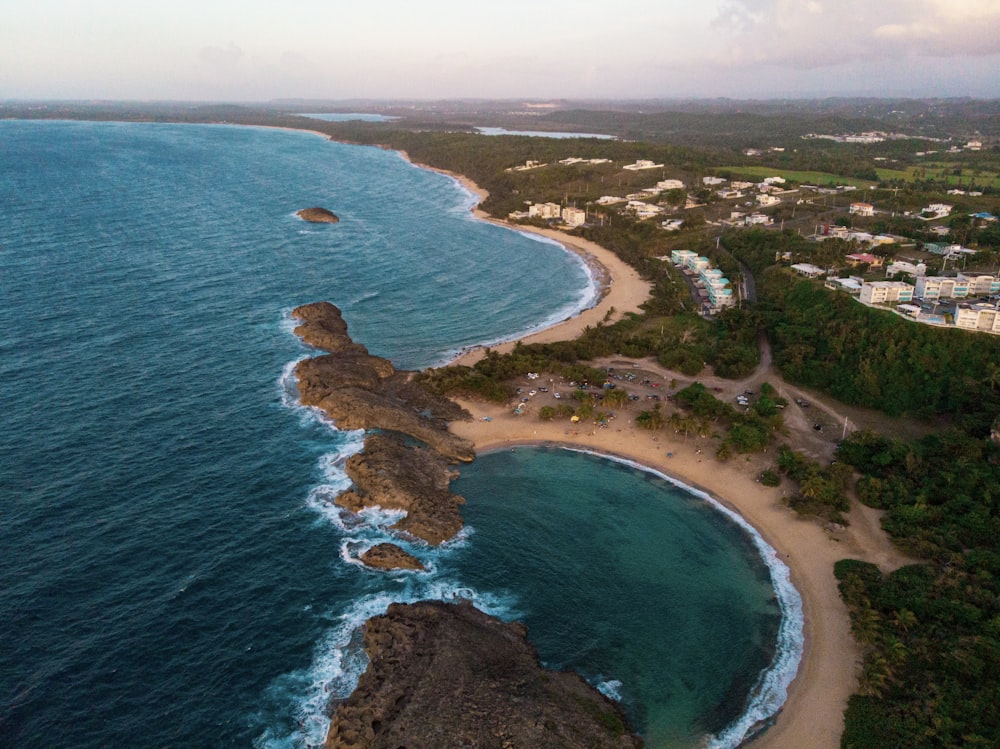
[[817, 696], [620, 287]]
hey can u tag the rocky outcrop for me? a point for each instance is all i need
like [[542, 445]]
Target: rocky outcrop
[[391, 557], [397, 476], [448, 675], [317, 215], [361, 391]]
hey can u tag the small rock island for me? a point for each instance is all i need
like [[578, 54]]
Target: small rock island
[[317, 215], [448, 675]]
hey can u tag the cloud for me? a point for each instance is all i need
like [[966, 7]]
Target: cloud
[[221, 57], [818, 33]]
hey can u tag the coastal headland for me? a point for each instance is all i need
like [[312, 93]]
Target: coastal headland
[[813, 712], [478, 677]]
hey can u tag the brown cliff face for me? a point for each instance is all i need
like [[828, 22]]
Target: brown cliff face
[[361, 391], [317, 215], [448, 675]]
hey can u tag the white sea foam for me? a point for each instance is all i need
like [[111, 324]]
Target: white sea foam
[[611, 689], [365, 297], [771, 689]]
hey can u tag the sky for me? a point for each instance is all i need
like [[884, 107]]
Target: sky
[[259, 50]]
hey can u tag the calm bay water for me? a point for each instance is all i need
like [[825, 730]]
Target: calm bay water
[[172, 574]]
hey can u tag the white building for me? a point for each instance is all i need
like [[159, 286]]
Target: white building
[[642, 164], [901, 266], [981, 285], [545, 210], [710, 181], [574, 216], [720, 293], [643, 210], [689, 259], [767, 200], [851, 285], [610, 200], [807, 269], [881, 292], [940, 287], [981, 317], [670, 184], [862, 209], [758, 219]]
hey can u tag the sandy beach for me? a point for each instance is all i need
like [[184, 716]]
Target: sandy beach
[[813, 713], [620, 287], [812, 716]]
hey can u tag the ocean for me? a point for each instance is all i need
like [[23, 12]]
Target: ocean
[[173, 574]]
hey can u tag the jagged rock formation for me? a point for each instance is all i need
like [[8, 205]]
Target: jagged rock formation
[[361, 391], [317, 215], [448, 675], [397, 476], [391, 557]]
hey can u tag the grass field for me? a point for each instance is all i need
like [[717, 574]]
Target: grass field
[[942, 172], [804, 177]]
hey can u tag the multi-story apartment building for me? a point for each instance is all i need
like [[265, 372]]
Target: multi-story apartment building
[[881, 292], [940, 287]]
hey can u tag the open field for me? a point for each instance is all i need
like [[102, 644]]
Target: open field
[[944, 173], [805, 177]]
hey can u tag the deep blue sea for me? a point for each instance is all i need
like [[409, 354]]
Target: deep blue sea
[[172, 574]]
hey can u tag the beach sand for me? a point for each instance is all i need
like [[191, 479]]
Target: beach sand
[[813, 713], [621, 288], [812, 716]]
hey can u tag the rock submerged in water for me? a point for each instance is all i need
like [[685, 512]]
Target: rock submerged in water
[[317, 215], [448, 675]]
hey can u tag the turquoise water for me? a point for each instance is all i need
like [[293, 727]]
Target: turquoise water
[[173, 574], [543, 133]]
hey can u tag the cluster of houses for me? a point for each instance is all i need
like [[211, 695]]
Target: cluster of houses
[[711, 285], [972, 301]]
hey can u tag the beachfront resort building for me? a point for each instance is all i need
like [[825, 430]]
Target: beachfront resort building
[[545, 210], [719, 290], [883, 292], [574, 216], [720, 293]]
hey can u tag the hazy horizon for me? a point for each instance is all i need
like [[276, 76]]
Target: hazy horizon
[[255, 51]]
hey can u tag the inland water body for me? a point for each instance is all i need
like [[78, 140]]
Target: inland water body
[[172, 574]]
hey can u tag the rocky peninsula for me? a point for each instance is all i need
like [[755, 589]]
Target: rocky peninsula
[[317, 215], [448, 675], [404, 463]]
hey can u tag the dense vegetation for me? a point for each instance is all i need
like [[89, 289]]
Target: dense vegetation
[[931, 676]]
